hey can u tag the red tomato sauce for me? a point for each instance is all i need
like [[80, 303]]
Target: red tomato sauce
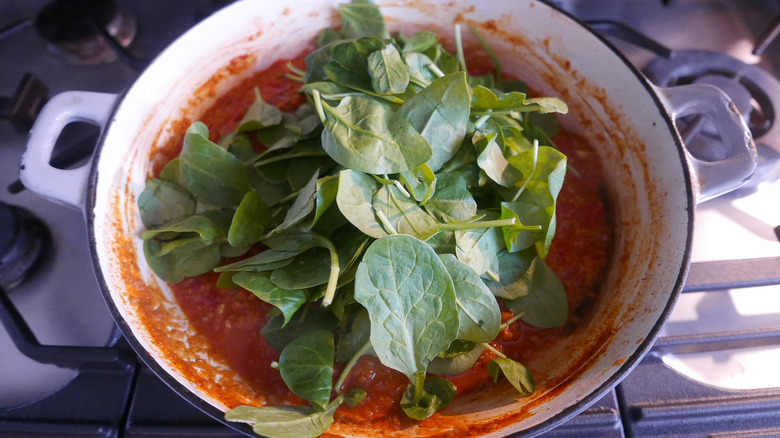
[[231, 319]]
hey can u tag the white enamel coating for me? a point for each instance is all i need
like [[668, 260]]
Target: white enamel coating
[[644, 164], [66, 187], [712, 179]]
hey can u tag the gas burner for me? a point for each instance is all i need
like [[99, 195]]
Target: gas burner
[[86, 32], [755, 92], [22, 239]]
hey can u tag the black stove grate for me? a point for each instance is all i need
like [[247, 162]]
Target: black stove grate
[[115, 395]]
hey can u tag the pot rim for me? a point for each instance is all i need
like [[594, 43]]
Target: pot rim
[[556, 420]]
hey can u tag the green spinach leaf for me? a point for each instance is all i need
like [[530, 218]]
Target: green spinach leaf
[[479, 314], [544, 303], [288, 301], [365, 135], [515, 373], [163, 201], [440, 113], [248, 225], [212, 174], [411, 302], [438, 392], [306, 366]]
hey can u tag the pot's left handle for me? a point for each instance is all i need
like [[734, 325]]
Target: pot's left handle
[[69, 186], [714, 178]]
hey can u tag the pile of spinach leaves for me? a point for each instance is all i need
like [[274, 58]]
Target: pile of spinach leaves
[[398, 207]]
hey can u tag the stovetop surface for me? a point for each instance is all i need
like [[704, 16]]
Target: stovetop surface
[[681, 389]]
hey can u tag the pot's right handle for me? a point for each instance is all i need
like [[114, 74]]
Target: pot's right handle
[[69, 186], [714, 178]]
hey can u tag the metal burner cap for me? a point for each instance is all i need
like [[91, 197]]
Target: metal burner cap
[[69, 26]]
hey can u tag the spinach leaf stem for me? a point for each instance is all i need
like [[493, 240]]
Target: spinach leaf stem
[[330, 291], [494, 351], [459, 46], [351, 364], [479, 224]]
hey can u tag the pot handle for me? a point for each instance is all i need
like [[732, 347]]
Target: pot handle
[[67, 187], [714, 178]]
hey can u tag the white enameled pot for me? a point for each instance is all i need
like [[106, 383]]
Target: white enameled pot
[[653, 183]]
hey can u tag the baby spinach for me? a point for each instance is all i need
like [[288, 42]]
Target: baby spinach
[[355, 199], [544, 303], [445, 188], [410, 299], [163, 201], [515, 373], [478, 310], [365, 135], [285, 421], [249, 221], [214, 175], [437, 393], [440, 113], [388, 71], [403, 214], [288, 301], [306, 365]]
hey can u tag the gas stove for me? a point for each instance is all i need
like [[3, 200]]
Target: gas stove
[[65, 369]]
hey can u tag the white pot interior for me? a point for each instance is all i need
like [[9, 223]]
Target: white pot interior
[[609, 104]]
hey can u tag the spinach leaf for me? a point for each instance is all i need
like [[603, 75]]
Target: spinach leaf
[[288, 301], [512, 266], [420, 182], [355, 200], [457, 364], [359, 333], [367, 136], [301, 208], [285, 421], [515, 372], [420, 68], [171, 171], [212, 174], [279, 335], [248, 225], [485, 99], [527, 215], [209, 225], [193, 258], [543, 189], [478, 248], [388, 71], [362, 18], [492, 160], [438, 392], [354, 397], [442, 242], [306, 366], [403, 214], [440, 113], [544, 303], [267, 260], [452, 201], [420, 41], [259, 115], [350, 66], [311, 268], [479, 315], [411, 303], [163, 201], [327, 189]]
